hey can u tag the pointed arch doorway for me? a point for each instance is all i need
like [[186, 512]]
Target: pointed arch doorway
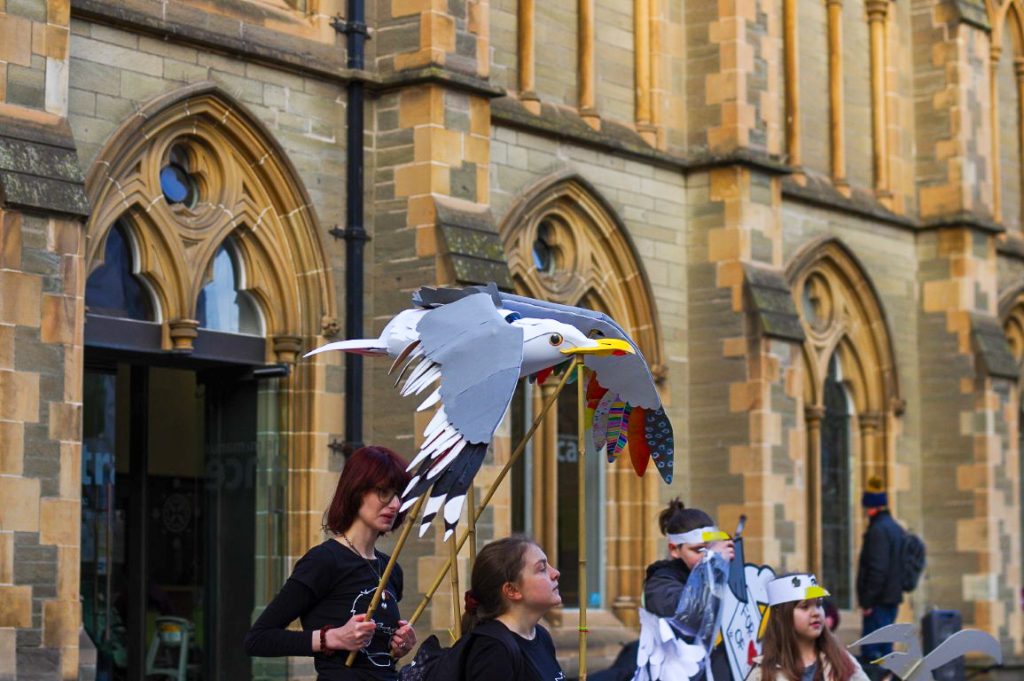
[[565, 244], [205, 279]]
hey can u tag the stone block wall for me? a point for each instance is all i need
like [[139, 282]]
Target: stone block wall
[[34, 48], [41, 321]]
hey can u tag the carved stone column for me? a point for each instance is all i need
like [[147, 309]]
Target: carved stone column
[[813, 416], [835, 92], [997, 173], [527, 56], [878, 11], [587, 72], [873, 463], [792, 69]]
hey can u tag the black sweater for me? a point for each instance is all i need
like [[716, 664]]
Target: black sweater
[[328, 586]]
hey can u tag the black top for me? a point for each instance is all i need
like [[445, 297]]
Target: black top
[[488, 658], [880, 571], [664, 585], [329, 585]]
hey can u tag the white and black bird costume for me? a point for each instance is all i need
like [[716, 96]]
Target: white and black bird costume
[[470, 351]]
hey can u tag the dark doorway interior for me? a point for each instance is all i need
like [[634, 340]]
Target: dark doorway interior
[[168, 512]]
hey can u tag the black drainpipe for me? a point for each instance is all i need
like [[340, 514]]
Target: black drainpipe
[[354, 233]]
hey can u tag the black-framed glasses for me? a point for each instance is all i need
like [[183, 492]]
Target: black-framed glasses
[[385, 495]]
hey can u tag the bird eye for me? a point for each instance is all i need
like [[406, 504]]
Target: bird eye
[[555, 339]]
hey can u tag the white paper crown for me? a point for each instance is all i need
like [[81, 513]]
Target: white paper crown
[[701, 535], [800, 587]]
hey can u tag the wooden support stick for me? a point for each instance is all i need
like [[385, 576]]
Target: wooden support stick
[[516, 453], [581, 447], [453, 558]]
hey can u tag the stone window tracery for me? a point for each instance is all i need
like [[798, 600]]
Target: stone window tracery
[[850, 401], [205, 187], [565, 245]]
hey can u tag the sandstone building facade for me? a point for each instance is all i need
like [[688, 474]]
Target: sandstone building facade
[[807, 212]]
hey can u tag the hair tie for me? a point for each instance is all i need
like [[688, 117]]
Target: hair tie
[[471, 602]]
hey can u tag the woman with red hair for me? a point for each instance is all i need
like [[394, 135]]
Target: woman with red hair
[[331, 586]]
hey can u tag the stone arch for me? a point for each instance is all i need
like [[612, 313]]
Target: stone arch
[[598, 268], [1011, 315], [600, 258], [853, 311], [248, 189], [842, 316]]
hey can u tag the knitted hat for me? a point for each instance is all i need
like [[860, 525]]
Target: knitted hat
[[874, 494]]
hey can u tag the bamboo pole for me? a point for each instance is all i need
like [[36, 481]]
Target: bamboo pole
[[520, 448], [471, 503], [454, 572], [581, 447], [409, 522]]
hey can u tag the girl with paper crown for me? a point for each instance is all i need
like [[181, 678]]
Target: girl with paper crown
[[797, 644], [682, 598]]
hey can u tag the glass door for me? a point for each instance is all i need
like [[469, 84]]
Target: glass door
[[169, 478]]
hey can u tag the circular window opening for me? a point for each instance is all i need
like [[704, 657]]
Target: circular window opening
[[543, 251], [178, 185]]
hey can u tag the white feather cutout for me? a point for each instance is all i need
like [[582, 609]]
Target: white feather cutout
[[431, 400], [425, 380], [439, 421], [453, 509], [420, 369], [427, 449], [445, 439], [409, 502], [439, 467], [433, 505], [424, 527]]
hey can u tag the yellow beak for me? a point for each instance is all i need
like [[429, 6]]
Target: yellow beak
[[605, 346]]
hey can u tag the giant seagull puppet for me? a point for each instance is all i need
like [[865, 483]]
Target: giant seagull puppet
[[477, 343]]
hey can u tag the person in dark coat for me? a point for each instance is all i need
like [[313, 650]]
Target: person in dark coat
[[666, 579], [880, 571]]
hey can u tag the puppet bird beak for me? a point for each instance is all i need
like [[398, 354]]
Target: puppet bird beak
[[603, 347]]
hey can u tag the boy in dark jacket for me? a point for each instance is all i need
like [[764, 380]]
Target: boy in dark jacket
[[666, 579], [880, 572]]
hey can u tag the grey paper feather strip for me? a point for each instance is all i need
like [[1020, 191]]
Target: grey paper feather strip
[[481, 355]]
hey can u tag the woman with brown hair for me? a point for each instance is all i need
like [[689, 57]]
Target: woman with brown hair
[[513, 587], [797, 645], [331, 586]]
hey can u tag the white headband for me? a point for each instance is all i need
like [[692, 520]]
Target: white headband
[[702, 535], [802, 587]]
